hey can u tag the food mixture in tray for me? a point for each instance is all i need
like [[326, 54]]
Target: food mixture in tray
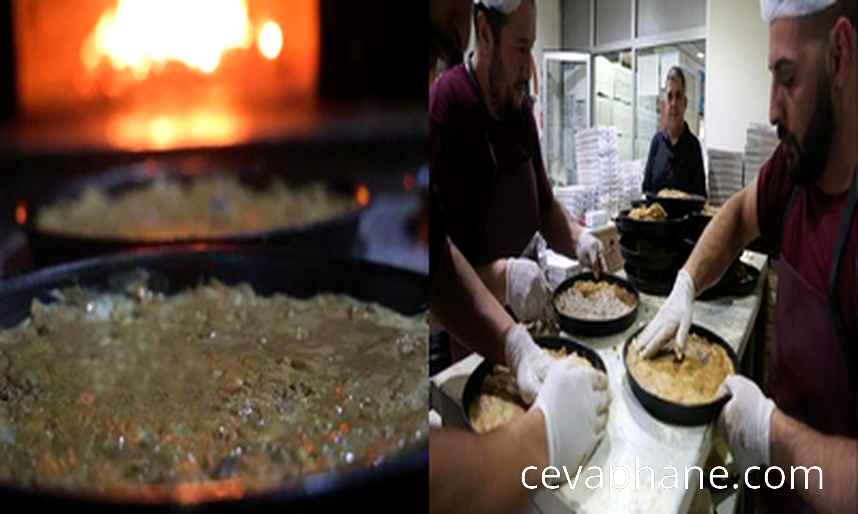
[[499, 401], [693, 380], [710, 210], [206, 207], [674, 193], [653, 212], [602, 300], [111, 392]]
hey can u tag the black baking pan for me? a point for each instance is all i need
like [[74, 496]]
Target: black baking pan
[[667, 276], [699, 221], [658, 288], [666, 230], [476, 378], [675, 413], [595, 328], [654, 254], [399, 483], [697, 224], [678, 207], [739, 280], [656, 282], [335, 235]]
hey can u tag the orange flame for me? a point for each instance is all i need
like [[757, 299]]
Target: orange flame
[[270, 40], [21, 212], [362, 195], [144, 35]]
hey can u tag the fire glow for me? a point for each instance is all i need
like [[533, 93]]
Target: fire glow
[[143, 36]]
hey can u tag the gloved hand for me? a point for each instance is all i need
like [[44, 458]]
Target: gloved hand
[[674, 317], [575, 402], [527, 292], [528, 362], [591, 253], [535, 249], [746, 421]]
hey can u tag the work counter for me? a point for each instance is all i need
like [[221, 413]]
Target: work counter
[[634, 439]]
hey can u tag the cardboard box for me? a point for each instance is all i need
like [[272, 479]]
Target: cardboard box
[[610, 238]]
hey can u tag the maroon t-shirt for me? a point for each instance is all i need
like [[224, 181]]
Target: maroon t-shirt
[[488, 174], [806, 235]]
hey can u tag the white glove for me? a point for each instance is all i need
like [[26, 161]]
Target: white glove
[[527, 291], [575, 403], [536, 250], [528, 362], [674, 317], [746, 421], [591, 253]]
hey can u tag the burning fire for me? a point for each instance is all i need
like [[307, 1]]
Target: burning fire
[[362, 195], [144, 35], [270, 40]]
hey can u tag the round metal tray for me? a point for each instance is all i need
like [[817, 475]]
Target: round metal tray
[[672, 412], [475, 380], [595, 328], [268, 271], [337, 234], [678, 207], [667, 230]]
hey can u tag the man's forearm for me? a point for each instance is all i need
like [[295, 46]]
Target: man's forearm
[[462, 463], [560, 231], [466, 307], [795, 444], [493, 276], [725, 236]]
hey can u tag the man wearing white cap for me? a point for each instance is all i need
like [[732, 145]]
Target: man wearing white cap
[[803, 202], [482, 473], [486, 162]]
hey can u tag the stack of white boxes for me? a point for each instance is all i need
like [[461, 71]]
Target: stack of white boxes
[[725, 175], [759, 146], [632, 173], [577, 200], [598, 165]]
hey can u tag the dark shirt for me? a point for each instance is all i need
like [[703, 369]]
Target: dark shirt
[[488, 174], [678, 166], [806, 234]]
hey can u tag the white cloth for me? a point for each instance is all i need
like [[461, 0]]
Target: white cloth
[[776, 9], [504, 6]]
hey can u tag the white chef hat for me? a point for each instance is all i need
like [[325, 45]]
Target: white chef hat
[[504, 6], [776, 9]]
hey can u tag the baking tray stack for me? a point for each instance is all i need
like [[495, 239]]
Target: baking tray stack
[[726, 175], [654, 252]]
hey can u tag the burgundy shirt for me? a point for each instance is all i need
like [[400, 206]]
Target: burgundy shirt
[[488, 174], [806, 235]]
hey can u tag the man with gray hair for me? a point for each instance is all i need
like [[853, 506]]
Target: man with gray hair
[[803, 202], [675, 160]]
